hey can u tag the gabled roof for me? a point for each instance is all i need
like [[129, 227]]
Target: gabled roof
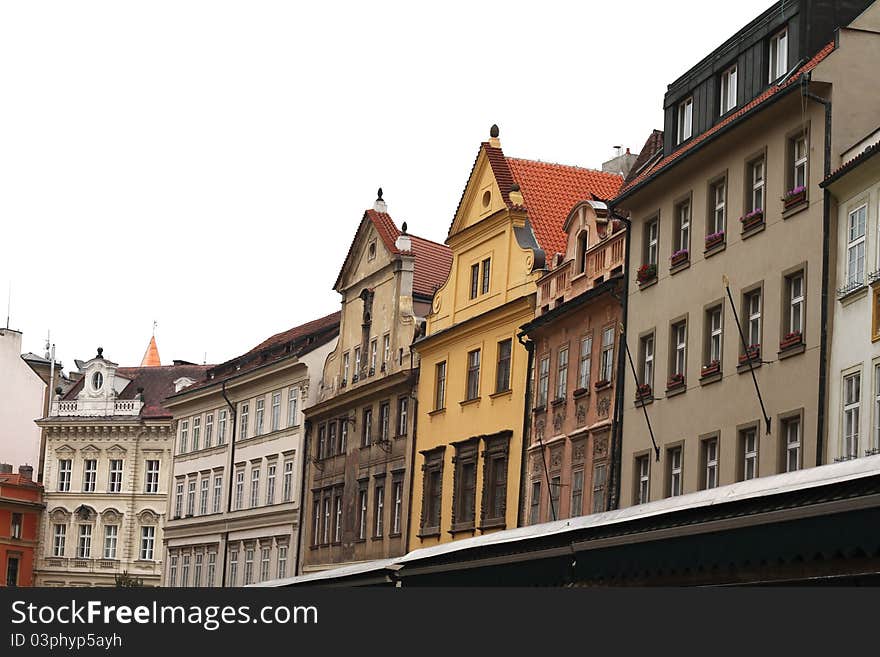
[[432, 260], [746, 110], [846, 167], [157, 382], [15, 479], [549, 191], [151, 355], [652, 147]]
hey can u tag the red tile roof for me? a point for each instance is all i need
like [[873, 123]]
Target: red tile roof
[[652, 147], [18, 480], [549, 192], [673, 157], [851, 164]]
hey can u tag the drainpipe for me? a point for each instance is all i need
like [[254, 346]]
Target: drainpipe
[[231, 476], [826, 245], [412, 469], [527, 416], [307, 430], [617, 427]]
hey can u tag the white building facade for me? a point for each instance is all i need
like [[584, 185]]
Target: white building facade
[[21, 402], [236, 481]]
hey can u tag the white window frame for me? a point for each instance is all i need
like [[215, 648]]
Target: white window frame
[[204, 488], [680, 361], [759, 180], [792, 443], [753, 311], [397, 490], [796, 303], [648, 360], [90, 475], [178, 503], [856, 244], [675, 488], [715, 334], [84, 542], [608, 353], [65, 472], [292, 410], [260, 417], [685, 119], [212, 568], [653, 233], [239, 488], [115, 476], [244, 420], [799, 164], [196, 433], [221, 428], [271, 471], [255, 485], [276, 410], [728, 90], [562, 373], [148, 542], [379, 521], [282, 561], [59, 539], [586, 358], [191, 496], [151, 483], [543, 380], [719, 210], [644, 478], [778, 55], [851, 414], [750, 453], [287, 485], [209, 430], [684, 226], [218, 493], [711, 446]]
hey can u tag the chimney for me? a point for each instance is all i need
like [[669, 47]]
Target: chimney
[[379, 205], [621, 163], [26, 471], [494, 142], [403, 243], [5, 468], [515, 195]]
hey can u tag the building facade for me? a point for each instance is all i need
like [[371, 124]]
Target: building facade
[[21, 509], [472, 392], [726, 282], [854, 372], [235, 484], [106, 472], [575, 335], [23, 395], [360, 447]]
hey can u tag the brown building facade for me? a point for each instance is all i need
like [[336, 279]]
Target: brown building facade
[[574, 339]]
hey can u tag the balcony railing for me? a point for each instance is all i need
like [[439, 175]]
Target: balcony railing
[[96, 407], [849, 287]]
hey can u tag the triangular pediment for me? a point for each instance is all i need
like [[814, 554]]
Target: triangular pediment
[[116, 451], [368, 253], [65, 450], [483, 195], [90, 450]]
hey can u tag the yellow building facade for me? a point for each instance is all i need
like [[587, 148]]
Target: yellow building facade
[[472, 393]]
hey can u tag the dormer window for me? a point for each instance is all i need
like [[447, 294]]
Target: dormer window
[[97, 381], [778, 55], [728, 90], [582, 244], [685, 119]]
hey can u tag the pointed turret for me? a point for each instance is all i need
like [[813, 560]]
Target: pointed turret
[[151, 357]]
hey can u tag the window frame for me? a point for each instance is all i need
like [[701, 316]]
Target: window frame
[[472, 382], [778, 56], [684, 120], [728, 90]]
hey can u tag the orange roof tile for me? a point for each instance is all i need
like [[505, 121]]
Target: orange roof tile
[[151, 356], [672, 158]]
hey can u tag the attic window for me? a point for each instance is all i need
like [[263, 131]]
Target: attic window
[[371, 250], [97, 380], [487, 198]]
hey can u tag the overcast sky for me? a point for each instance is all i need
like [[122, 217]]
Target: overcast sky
[[205, 164]]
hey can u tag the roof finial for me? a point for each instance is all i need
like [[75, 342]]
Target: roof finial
[[379, 205], [493, 131], [155, 324], [100, 352], [403, 227], [379, 194]]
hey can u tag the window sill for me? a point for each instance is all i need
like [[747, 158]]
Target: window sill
[[676, 390], [539, 409], [744, 367], [794, 209], [643, 401], [501, 393], [646, 284], [603, 385], [753, 229], [709, 379], [359, 540], [793, 350], [715, 249], [853, 295], [377, 538], [436, 411], [559, 401], [469, 402], [462, 528], [581, 392], [494, 523], [681, 266], [433, 532]]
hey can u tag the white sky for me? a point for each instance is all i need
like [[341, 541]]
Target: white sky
[[205, 164]]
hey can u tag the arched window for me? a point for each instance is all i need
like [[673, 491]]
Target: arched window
[[582, 245]]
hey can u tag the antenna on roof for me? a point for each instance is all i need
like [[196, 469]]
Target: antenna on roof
[[155, 324], [205, 359]]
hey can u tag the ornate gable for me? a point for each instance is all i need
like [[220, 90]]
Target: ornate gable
[[482, 195]]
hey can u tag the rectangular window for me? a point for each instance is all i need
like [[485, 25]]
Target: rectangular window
[[264, 564], [90, 475], [386, 351], [555, 486], [646, 360], [209, 430], [197, 573], [599, 481], [852, 399], [362, 514], [15, 529], [270, 484], [249, 566], [65, 467], [331, 439], [203, 496], [728, 90], [325, 536], [679, 348], [367, 435], [184, 436], [682, 227], [322, 442], [652, 241], [191, 497], [357, 364], [799, 157], [84, 545], [374, 353], [260, 414], [287, 486], [292, 415], [791, 431], [172, 573], [239, 489], [218, 492], [58, 538], [643, 488], [718, 207], [685, 119], [152, 479], [212, 567], [465, 493], [577, 493], [379, 512], [402, 416], [876, 444], [384, 421], [440, 386], [115, 476], [752, 314], [673, 458], [585, 362], [475, 281], [276, 410], [607, 353], [148, 539], [221, 428], [535, 506], [343, 436], [749, 453], [346, 367], [794, 285], [502, 370], [282, 561], [756, 182], [543, 381], [337, 513], [778, 55], [473, 374], [709, 454], [178, 504], [184, 571], [316, 521], [233, 567], [432, 493], [255, 486], [197, 433], [397, 492], [855, 246], [486, 277], [562, 373], [243, 415], [714, 335], [494, 505]]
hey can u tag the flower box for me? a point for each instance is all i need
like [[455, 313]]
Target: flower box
[[675, 381], [791, 340], [752, 219], [714, 239], [753, 353], [580, 392], [713, 367], [794, 196], [679, 257], [646, 273], [644, 391], [603, 383], [558, 401]]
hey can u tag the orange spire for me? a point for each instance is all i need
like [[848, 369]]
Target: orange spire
[[151, 357]]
